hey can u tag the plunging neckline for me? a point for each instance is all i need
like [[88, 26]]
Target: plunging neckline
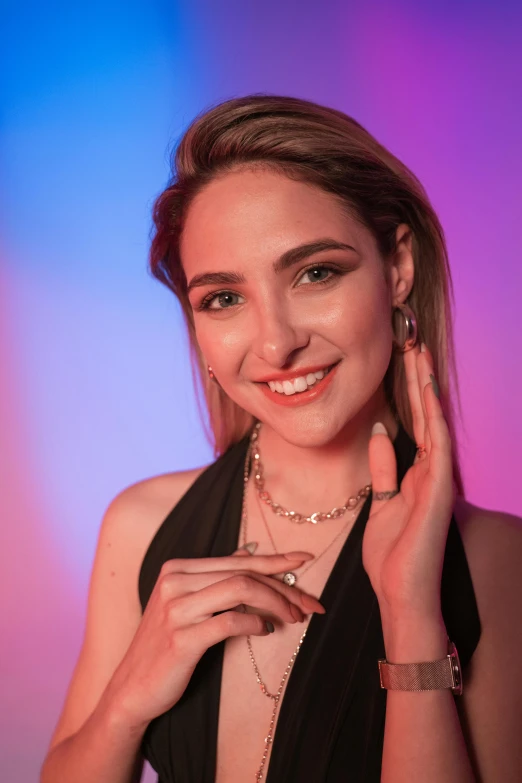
[[317, 621], [332, 717]]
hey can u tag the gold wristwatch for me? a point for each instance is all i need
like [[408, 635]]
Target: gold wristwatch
[[425, 676]]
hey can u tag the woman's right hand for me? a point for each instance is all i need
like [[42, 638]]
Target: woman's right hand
[[180, 622]]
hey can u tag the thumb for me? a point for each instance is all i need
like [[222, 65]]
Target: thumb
[[246, 550]]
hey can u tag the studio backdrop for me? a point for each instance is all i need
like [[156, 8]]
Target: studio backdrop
[[96, 390]]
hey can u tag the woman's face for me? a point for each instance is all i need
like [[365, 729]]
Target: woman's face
[[259, 316]]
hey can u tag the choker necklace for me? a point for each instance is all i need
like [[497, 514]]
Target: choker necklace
[[317, 516]]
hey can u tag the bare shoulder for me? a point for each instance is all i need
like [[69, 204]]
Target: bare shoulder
[[490, 706], [141, 507], [493, 545], [470, 517]]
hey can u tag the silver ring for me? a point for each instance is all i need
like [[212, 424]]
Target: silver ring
[[385, 495]]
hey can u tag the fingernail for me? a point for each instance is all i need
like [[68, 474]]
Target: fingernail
[[297, 613], [423, 347], [313, 604], [298, 556], [379, 429], [251, 547], [269, 626], [435, 386]]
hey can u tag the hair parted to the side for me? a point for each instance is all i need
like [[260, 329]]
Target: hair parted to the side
[[328, 149]]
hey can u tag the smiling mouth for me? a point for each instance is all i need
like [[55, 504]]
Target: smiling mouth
[[300, 384]]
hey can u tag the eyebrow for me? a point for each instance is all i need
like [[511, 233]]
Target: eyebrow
[[285, 261]]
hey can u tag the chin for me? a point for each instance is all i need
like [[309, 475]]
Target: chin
[[314, 430]]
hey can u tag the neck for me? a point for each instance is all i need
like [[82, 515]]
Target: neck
[[317, 478]]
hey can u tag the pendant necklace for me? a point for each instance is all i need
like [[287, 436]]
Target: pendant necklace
[[289, 578], [353, 501]]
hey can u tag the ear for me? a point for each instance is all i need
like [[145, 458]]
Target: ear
[[401, 269]]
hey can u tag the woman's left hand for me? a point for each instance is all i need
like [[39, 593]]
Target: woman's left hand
[[405, 537]]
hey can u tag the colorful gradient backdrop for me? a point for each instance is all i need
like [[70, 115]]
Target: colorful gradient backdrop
[[96, 390]]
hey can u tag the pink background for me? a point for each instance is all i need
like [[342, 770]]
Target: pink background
[[96, 390]]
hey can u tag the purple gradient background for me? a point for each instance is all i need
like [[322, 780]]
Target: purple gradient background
[[96, 390]]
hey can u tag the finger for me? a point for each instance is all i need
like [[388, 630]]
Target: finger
[[227, 594], [424, 368], [414, 394], [245, 550], [440, 463], [198, 638], [178, 585], [263, 564], [383, 467]]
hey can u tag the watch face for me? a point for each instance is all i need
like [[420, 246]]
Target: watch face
[[455, 669]]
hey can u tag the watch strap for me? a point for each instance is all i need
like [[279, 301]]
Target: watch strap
[[424, 676]]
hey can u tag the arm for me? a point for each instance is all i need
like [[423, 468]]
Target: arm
[[403, 554], [105, 750], [423, 739], [448, 736], [93, 741]]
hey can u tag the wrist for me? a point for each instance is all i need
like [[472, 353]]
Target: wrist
[[117, 719], [414, 640]]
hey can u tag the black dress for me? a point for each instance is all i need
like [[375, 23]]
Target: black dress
[[331, 722]]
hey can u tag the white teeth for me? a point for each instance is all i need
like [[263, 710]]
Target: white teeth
[[300, 384], [297, 385]]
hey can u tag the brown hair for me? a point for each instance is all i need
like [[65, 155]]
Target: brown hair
[[326, 148]]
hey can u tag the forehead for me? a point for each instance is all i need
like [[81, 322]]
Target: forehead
[[255, 215]]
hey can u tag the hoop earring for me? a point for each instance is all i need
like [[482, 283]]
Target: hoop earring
[[210, 372], [408, 330]]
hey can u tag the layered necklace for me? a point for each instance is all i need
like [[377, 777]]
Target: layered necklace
[[289, 578]]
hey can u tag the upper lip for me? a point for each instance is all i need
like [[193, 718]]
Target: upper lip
[[291, 374]]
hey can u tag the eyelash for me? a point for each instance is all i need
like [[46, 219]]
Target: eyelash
[[206, 301]]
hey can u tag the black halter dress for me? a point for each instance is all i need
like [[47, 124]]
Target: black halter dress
[[331, 721]]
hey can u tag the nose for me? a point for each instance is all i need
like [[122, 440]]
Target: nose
[[277, 336]]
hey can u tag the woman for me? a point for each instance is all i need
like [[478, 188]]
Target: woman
[[313, 276]]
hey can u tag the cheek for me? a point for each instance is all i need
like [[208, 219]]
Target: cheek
[[221, 345], [361, 318]]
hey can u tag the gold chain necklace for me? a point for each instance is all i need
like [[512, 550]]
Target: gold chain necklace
[[277, 508], [290, 578], [276, 697]]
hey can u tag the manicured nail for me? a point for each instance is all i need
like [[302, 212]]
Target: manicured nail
[[312, 604], [423, 347], [435, 386], [269, 626], [251, 547], [297, 613], [298, 556], [379, 429]]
